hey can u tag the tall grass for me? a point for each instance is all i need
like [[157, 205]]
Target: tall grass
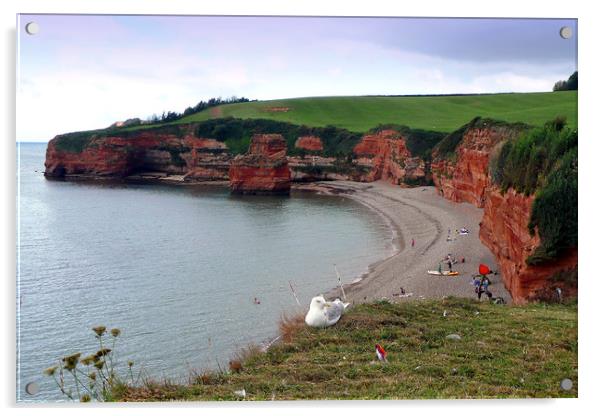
[[503, 351]]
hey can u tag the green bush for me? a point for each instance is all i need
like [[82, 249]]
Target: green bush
[[74, 142], [543, 161], [237, 133], [525, 163], [554, 211]]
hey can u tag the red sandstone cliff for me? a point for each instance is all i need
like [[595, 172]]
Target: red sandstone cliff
[[106, 156], [309, 143], [264, 169], [208, 159], [504, 228], [386, 156], [465, 177]]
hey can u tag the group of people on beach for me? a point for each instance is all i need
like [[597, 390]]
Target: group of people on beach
[[481, 281], [481, 285], [461, 231], [450, 261]]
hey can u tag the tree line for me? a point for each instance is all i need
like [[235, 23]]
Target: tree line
[[169, 116], [568, 85]]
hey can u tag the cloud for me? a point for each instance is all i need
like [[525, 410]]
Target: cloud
[[230, 76], [71, 101], [142, 66], [335, 72]]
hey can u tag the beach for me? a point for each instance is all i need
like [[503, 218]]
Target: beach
[[416, 214], [421, 215]]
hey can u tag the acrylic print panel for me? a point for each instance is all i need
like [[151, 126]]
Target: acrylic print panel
[[283, 208]]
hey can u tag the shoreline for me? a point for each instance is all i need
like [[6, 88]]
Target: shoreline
[[334, 188], [399, 208], [416, 213], [153, 178], [421, 214]]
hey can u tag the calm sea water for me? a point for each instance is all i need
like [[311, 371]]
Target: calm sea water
[[175, 268]]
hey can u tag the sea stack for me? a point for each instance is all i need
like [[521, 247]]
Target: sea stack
[[264, 169]]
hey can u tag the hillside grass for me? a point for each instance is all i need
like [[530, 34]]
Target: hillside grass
[[439, 113], [504, 352]]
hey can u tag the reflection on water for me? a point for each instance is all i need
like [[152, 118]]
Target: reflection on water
[[175, 268]]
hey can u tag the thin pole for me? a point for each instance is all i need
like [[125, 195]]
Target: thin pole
[[340, 283], [294, 294]]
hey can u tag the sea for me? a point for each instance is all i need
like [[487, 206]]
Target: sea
[[190, 275]]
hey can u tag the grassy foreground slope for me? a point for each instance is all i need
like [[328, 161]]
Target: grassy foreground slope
[[439, 113], [504, 351]]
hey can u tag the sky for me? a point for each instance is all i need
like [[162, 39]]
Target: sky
[[82, 72]]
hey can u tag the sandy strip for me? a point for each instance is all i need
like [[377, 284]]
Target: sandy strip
[[419, 214]]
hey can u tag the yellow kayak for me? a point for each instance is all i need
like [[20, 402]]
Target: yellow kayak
[[444, 273]]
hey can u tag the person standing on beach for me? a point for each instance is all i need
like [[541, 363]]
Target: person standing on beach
[[449, 260], [413, 242], [484, 287]]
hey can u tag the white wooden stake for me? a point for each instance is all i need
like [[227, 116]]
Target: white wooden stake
[[340, 283], [294, 294]]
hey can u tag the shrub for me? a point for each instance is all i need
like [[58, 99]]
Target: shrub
[[525, 163], [554, 211], [74, 142], [543, 161], [236, 133]]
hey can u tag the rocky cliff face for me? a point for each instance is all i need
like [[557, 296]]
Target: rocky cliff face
[[384, 155], [104, 156], [264, 169], [148, 152], [309, 143], [464, 177], [208, 159], [107, 156], [318, 168], [504, 228]]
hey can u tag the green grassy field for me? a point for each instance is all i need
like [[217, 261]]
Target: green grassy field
[[439, 113], [504, 351]]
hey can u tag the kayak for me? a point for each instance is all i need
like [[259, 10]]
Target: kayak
[[445, 273]]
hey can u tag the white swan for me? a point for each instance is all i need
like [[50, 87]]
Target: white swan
[[323, 314]]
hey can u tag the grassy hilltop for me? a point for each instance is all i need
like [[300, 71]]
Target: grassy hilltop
[[340, 121], [438, 113], [503, 351]]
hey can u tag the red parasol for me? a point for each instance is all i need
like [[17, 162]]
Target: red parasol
[[483, 269]]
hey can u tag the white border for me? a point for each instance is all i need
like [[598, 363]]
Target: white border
[[589, 232]]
